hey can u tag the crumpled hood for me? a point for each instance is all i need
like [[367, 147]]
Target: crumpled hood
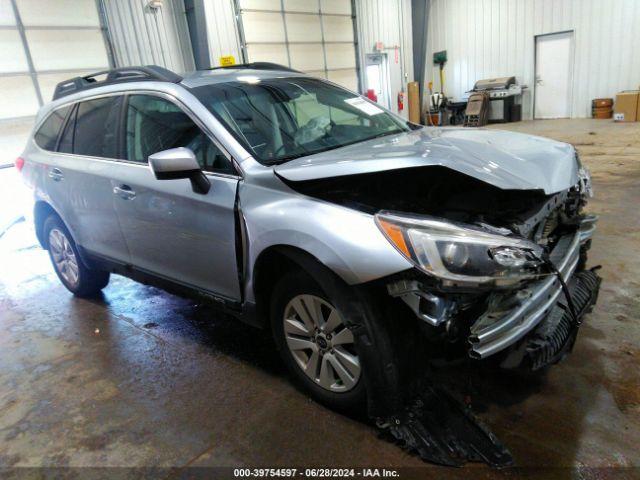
[[507, 160]]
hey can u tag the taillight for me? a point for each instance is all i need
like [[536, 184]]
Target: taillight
[[19, 163]]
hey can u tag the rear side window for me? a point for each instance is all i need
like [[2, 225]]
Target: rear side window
[[47, 135], [155, 124], [96, 132]]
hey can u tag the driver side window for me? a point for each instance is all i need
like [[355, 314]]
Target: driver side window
[[154, 124]]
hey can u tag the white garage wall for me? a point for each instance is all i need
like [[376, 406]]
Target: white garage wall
[[314, 36], [389, 22], [141, 35], [491, 38], [62, 39]]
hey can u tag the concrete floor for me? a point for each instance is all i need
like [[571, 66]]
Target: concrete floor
[[142, 378]]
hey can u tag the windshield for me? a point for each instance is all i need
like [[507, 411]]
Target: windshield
[[285, 118]]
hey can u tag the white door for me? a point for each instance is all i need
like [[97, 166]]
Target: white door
[[377, 77], [54, 30], [308, 35], [553, 75]]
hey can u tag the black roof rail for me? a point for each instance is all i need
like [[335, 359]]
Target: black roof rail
[[258, 66], [116, 75]]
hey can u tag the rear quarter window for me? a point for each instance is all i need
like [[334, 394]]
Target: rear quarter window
[[47, 135], [65, 144]]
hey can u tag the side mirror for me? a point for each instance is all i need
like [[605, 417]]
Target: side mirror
[[179, 163]]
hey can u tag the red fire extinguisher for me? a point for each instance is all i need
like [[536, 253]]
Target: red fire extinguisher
[[400, 101]]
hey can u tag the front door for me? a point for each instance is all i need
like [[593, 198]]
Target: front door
[[553, 75], [170, 230]]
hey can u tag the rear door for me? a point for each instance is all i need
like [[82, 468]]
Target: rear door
[[78, 175], [170, 230]]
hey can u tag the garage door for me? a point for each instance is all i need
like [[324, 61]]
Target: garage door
[[314, 36], [48, 42]]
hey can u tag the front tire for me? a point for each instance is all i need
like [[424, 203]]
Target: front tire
[[66, 261], [315, 343]]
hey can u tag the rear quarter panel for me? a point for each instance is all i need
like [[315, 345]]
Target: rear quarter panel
[[37, 165]]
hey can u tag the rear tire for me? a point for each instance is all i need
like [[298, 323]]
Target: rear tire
[[320, 353], [66, 261]]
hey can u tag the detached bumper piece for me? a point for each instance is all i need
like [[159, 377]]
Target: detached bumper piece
[[555, 336], [444, 431], [517, 315]]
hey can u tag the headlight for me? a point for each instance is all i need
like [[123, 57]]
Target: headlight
[[461, 254]]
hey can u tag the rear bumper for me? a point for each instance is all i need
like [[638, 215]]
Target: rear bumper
[[513, 318]]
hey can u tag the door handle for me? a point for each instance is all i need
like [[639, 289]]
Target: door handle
[[125, 192], [56, 174]]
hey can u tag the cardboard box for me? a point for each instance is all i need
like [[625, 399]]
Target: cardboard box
[[414, 102], [626, 106]]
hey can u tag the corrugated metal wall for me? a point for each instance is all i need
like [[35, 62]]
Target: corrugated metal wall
[[489, 38], [389, 22], [141, 35], [221, 30]]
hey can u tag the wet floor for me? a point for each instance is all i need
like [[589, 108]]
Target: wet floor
[[142, 378]]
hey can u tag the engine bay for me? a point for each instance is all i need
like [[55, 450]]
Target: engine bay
[[441, 192]]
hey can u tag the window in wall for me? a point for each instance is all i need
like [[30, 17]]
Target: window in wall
[[155, 124]]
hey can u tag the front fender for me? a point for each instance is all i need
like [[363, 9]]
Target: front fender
[[346, 241]]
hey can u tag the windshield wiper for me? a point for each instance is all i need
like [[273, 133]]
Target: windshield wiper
[[385, 134]]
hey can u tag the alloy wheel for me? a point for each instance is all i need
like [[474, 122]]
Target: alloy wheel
[[63, 256], [321, 344]]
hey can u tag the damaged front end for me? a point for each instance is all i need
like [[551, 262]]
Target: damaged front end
[[516, 291], [537, 323], [515, 296], [499, 278]]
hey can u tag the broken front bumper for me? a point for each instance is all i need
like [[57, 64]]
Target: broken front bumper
[[554, 336], [511, 319]]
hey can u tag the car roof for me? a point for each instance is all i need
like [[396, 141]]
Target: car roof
[[189, 80], [201, 78], [100, 81]]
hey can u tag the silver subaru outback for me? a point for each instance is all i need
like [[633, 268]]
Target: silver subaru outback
[[370, 247]]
